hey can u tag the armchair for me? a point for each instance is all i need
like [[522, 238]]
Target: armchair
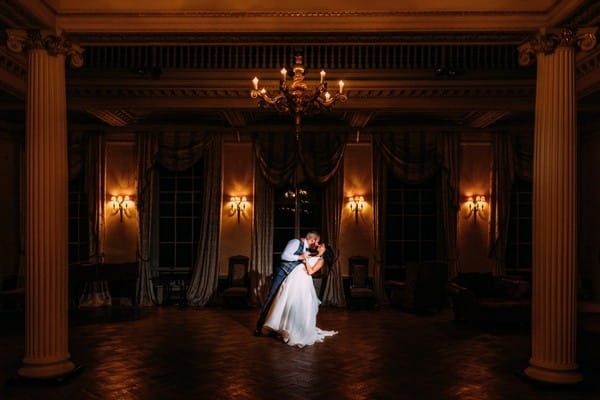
[[423, 289], [361, 292], [237, 292], [484, 298]]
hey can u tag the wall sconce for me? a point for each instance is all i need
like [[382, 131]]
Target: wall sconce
[[356, 203], [121, 205], [238, 205], [476, 206]]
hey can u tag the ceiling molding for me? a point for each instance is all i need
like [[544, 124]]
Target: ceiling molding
[[305, 38], [115, 118], [561, 11], [480, 95], [587, 15], [480, 120], [13, 73], [298, 22], [27, 14], [587, 72]]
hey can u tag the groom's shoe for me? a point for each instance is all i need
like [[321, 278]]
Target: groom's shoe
[[258, 332]]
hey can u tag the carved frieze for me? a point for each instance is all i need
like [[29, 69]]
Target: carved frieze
[[21, 40]]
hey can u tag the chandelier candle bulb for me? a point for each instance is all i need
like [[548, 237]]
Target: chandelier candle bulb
[[295, 98]]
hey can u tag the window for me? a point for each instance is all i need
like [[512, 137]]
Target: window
[[518, 251], [79, 236], [179, 209], [411, 222], [296, 212]]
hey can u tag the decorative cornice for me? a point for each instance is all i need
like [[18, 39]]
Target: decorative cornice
[[14, 14], [588, 15], [302, 14], [13, 63], [118, 117], [300, 39], [547, 42], [524, 90], [21, 40], [483, 119]]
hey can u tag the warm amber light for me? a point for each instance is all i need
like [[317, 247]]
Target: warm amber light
[[356, 204], [120, 205], [238, 205], [255, 83], [475, 204], [341, 83]]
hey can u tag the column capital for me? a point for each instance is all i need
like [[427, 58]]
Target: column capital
[[546, 42], [23, 40]]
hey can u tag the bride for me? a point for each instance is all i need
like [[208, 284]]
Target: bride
[[293, 313]]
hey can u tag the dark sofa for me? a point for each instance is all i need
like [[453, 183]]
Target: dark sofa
[[488, 299]]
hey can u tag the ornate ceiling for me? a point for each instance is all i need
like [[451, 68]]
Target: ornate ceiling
[[427, 63]]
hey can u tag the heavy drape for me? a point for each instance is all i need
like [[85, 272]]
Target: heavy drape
[[415, 157], [86, 159], [86, 156], [513, 157], [282, 160], [179, 151]]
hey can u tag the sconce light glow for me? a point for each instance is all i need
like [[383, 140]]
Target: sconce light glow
[[476, 206], [357, 204], [238, 205], [121, 205]]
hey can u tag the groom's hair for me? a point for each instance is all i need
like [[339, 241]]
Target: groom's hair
[[312, 234]]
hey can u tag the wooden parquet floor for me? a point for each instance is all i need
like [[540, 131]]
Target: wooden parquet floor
[[172, 353]]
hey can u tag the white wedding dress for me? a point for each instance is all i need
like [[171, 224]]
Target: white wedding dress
[[293, 313]]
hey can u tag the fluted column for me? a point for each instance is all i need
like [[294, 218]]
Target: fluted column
[[554, 298], [46, 325]]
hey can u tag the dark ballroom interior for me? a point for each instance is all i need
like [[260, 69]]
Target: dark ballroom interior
[[157, 156]]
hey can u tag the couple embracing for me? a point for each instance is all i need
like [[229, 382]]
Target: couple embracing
[[291, 307]]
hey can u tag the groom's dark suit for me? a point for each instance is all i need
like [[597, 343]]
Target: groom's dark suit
[[282, 271]]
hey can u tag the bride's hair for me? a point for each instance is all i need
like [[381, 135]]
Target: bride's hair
[[328, 257]]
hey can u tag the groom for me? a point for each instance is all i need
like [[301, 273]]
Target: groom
[[295, 251]]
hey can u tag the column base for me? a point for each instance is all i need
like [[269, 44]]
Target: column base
[[54, 371], [563, 377]]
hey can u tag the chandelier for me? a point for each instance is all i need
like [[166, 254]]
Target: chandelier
[[295, 98]]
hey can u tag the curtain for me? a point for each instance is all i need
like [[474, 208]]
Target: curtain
[[512, 157], [448, 147], [415, 157], [334, 203], [147, 151], [379, 221], [179, 151], [94, 187], [86, 160], [281, 160], [205, 275], [86, 156], [276, 161], [262, 239]]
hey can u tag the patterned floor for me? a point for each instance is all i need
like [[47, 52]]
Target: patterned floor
[[173, 353]]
